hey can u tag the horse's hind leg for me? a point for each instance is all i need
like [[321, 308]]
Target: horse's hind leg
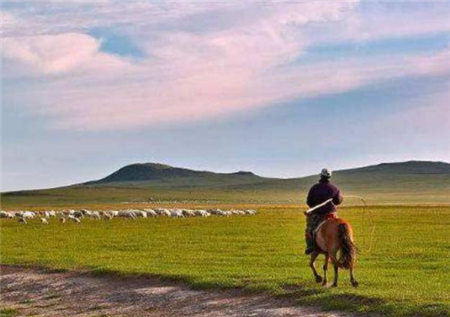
[[312, 264], [325, 269], [336, 274], [352, 278], [334, 260]]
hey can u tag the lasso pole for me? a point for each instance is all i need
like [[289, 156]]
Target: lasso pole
[[318, 206], [372, 223]]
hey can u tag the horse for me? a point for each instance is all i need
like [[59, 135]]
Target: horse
[[332, 236]]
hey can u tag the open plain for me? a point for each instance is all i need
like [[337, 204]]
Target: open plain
[[402, 265]]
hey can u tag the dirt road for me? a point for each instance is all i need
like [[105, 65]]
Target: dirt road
[[32, 292]]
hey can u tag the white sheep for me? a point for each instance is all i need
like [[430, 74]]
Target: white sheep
[[48, 214], [127, 214], [86, 212], [23, 220], [202, 213], [140, 213], [188, 213], [151, 213], [74, 219], [216, 212], [177, 213], [105, 214], [163, 212], [109, 216], [95, 215], [29, 214], [77, 214], [5, 214]]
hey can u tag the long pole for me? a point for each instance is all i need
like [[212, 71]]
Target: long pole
[[318, 206]]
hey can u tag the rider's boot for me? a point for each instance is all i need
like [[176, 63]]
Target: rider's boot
[[309, 245]]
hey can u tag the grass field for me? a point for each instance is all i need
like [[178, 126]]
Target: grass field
[[403, 268], [395, 194], [394, 183]]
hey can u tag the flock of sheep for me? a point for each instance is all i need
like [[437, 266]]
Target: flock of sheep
[[78, 215]]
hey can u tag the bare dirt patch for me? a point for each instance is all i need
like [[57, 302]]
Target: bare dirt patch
[[33, 292]]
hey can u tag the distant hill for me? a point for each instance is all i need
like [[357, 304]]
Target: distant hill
[[154, 173], [413, 178], [410, 167], [405, 182]]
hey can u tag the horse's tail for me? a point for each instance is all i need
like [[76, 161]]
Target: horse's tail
[[348, 248]]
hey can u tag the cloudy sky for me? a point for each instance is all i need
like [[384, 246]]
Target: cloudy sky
[[281, 88]]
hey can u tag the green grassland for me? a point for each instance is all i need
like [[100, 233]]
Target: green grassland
[[376, 189], [403, 267]]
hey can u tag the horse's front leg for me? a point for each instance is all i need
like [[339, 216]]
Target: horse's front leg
[[325, 269], [312, 265]]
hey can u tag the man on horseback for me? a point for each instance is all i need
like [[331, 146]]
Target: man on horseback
[[318, 194]]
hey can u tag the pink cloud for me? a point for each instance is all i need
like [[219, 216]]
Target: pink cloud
[[55, 54], [438, 64], [191, 76]]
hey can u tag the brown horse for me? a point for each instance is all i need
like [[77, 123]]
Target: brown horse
[[334, 235]]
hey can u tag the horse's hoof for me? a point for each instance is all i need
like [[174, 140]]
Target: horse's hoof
[[355, 284], [318, 279], [334, 285]]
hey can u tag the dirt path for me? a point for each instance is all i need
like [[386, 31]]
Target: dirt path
[[41, 293]]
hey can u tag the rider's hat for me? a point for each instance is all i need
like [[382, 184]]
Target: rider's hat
[[326, 173]]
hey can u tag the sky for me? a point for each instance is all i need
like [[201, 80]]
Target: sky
[[280, 88]]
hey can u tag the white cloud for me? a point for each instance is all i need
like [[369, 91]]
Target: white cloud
[[57, 54], [52, 54], [189, 74], [8, 19], [438, 64]]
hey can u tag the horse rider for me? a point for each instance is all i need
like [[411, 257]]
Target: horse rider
[[318, 194]]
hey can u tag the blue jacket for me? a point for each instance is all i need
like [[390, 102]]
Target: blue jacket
[[320, 193]]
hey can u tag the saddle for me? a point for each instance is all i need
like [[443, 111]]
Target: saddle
[[329, 216]]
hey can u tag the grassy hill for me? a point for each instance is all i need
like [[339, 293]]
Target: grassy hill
[[152, 174], [410, 182]]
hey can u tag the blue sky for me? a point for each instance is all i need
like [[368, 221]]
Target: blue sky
[[279, 88]]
